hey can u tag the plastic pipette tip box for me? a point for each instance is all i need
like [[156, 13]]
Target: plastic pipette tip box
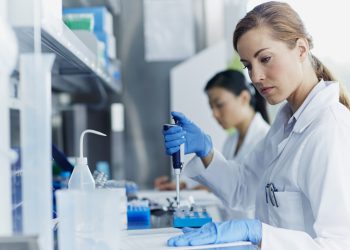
[[139, 216], [190, 218]]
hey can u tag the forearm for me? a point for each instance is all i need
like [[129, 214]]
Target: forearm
[[224, 178], [280, 238]]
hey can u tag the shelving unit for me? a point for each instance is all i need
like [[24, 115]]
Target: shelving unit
[[73, 58], [112, 5], [50, 58]]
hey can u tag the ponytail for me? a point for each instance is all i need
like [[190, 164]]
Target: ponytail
[[258, 102], [322, 72]]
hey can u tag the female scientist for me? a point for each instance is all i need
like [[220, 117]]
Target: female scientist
[[234, 104], [299, 173]]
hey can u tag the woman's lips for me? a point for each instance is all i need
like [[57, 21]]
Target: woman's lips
[[266, 91]]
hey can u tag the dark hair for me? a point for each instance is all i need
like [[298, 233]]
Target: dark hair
[[286, 26], [235, 82]]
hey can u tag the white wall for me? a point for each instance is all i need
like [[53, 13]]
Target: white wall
[[3, 9], [187, 81]]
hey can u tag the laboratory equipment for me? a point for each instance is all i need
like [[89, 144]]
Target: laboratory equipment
[[190, 217], [177, 165], [88, 220], [97, 19], [194, 138], [103, 167], [83, 21], [102, 20], [100, 179], [139, 214], [81, 177], [123, 201]]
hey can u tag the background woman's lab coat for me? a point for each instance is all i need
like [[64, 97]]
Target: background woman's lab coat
[[310, 167]]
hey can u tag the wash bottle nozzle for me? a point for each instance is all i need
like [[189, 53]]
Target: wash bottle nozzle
[[81, 177], [83, 160]]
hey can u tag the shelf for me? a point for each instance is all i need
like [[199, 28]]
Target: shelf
[[112, 5], [73, 58]]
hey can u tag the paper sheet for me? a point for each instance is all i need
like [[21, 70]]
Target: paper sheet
[[156, 239], [168, 30]]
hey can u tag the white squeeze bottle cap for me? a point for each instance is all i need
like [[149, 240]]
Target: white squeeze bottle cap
[[81, 177]]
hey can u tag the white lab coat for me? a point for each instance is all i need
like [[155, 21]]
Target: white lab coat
[[310, 168], [257, 130]]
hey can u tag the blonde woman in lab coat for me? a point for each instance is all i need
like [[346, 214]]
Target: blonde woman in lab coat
[[299, 173]]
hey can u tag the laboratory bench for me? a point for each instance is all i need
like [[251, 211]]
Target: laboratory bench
[[161, 229]]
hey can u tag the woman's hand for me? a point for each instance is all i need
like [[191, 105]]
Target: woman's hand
[[221, 232]]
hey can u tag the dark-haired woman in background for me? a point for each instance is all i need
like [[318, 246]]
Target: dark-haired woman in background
[[236, 104]]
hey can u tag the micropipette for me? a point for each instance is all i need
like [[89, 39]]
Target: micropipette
[[177, 166]]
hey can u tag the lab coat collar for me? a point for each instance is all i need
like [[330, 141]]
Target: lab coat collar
[[327, 94], [317, 88]]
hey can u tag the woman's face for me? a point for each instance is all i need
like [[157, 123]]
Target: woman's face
[[274, 68], [227, 108]]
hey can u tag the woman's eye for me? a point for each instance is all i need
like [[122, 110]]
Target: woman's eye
[[265, 59], [219, 105], [249, 67]]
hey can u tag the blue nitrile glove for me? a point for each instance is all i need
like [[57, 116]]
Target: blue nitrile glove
[[173, 138], [196, 141], [221, 232]]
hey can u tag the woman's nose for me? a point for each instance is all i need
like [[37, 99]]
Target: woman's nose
[[215, 113], [257, 75]]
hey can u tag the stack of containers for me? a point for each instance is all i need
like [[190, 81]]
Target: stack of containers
[[97, 20]]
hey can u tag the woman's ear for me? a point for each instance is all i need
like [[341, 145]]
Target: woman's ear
[[302, 46], [244, 96]]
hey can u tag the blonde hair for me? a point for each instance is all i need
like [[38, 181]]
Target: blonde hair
[[286, 26]]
